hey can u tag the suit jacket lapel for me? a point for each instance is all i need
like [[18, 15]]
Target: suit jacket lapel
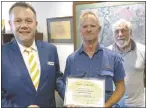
[[20, 64], [43, 61]]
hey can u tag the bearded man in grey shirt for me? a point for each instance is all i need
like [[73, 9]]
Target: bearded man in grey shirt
[[133, 54]]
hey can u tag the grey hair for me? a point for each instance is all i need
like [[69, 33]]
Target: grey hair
[[122, 21]]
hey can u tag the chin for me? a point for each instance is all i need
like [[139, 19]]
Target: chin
[[122, 45], [26, 39], [89, 39]]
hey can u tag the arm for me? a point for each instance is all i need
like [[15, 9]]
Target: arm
[[59, 76], [118, 78], [117, 94], [62, 81]]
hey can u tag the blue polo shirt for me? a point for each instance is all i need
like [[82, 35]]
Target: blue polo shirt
[[103, 64]]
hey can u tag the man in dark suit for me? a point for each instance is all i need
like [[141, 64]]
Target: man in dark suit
[[30, 69]]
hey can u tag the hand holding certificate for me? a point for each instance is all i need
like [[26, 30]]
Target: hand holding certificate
[[85, 92]]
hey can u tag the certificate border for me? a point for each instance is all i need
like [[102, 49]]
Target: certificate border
[[66, 90]]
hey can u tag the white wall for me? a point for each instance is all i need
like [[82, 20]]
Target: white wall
[[5, 15], [46, 10], [50, 10]]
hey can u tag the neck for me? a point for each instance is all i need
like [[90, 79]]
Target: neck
[[90, 46], [26, 44]]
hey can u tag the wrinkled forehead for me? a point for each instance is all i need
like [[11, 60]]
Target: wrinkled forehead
[[89, 18], [121, 26]]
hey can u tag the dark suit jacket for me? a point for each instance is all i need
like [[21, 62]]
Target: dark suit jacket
[[17, 87]]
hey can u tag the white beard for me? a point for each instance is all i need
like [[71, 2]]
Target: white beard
[[122, 43]]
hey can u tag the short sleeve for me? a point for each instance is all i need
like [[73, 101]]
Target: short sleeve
[[119, 72]]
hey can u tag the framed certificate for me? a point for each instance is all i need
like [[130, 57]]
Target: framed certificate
[[83, 92], [60, 29]]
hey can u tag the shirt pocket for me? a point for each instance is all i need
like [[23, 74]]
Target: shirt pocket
[[103, 73]]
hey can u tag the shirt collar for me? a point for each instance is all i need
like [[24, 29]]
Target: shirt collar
[[23, 48], [81, 49], [133, 45]]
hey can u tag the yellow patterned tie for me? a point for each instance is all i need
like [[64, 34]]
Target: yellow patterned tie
[[33, 68]]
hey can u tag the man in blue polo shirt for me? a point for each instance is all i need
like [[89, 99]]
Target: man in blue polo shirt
[[94, 61]]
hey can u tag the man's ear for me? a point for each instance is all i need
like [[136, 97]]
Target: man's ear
[[10, 24]]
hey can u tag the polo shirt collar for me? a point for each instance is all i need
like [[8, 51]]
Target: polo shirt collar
[[99, 47], [133, 45]]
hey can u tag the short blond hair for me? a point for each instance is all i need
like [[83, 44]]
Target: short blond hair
[[89, 13]]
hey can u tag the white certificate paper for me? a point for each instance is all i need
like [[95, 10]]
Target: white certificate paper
[[85, 92]]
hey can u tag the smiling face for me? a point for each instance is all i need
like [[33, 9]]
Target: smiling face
[[122, 35], [89, 28], [23, 25]]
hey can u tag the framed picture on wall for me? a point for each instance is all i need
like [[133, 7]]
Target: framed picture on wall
[[109, 13], [60, 30]]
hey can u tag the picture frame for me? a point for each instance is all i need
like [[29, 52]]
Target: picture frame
[[131, 11], [60, 29]]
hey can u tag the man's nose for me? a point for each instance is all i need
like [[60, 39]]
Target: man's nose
[[89, 29], [23, 24], [120, 34]]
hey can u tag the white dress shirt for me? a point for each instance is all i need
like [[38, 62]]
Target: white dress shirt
[[25, 55]]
